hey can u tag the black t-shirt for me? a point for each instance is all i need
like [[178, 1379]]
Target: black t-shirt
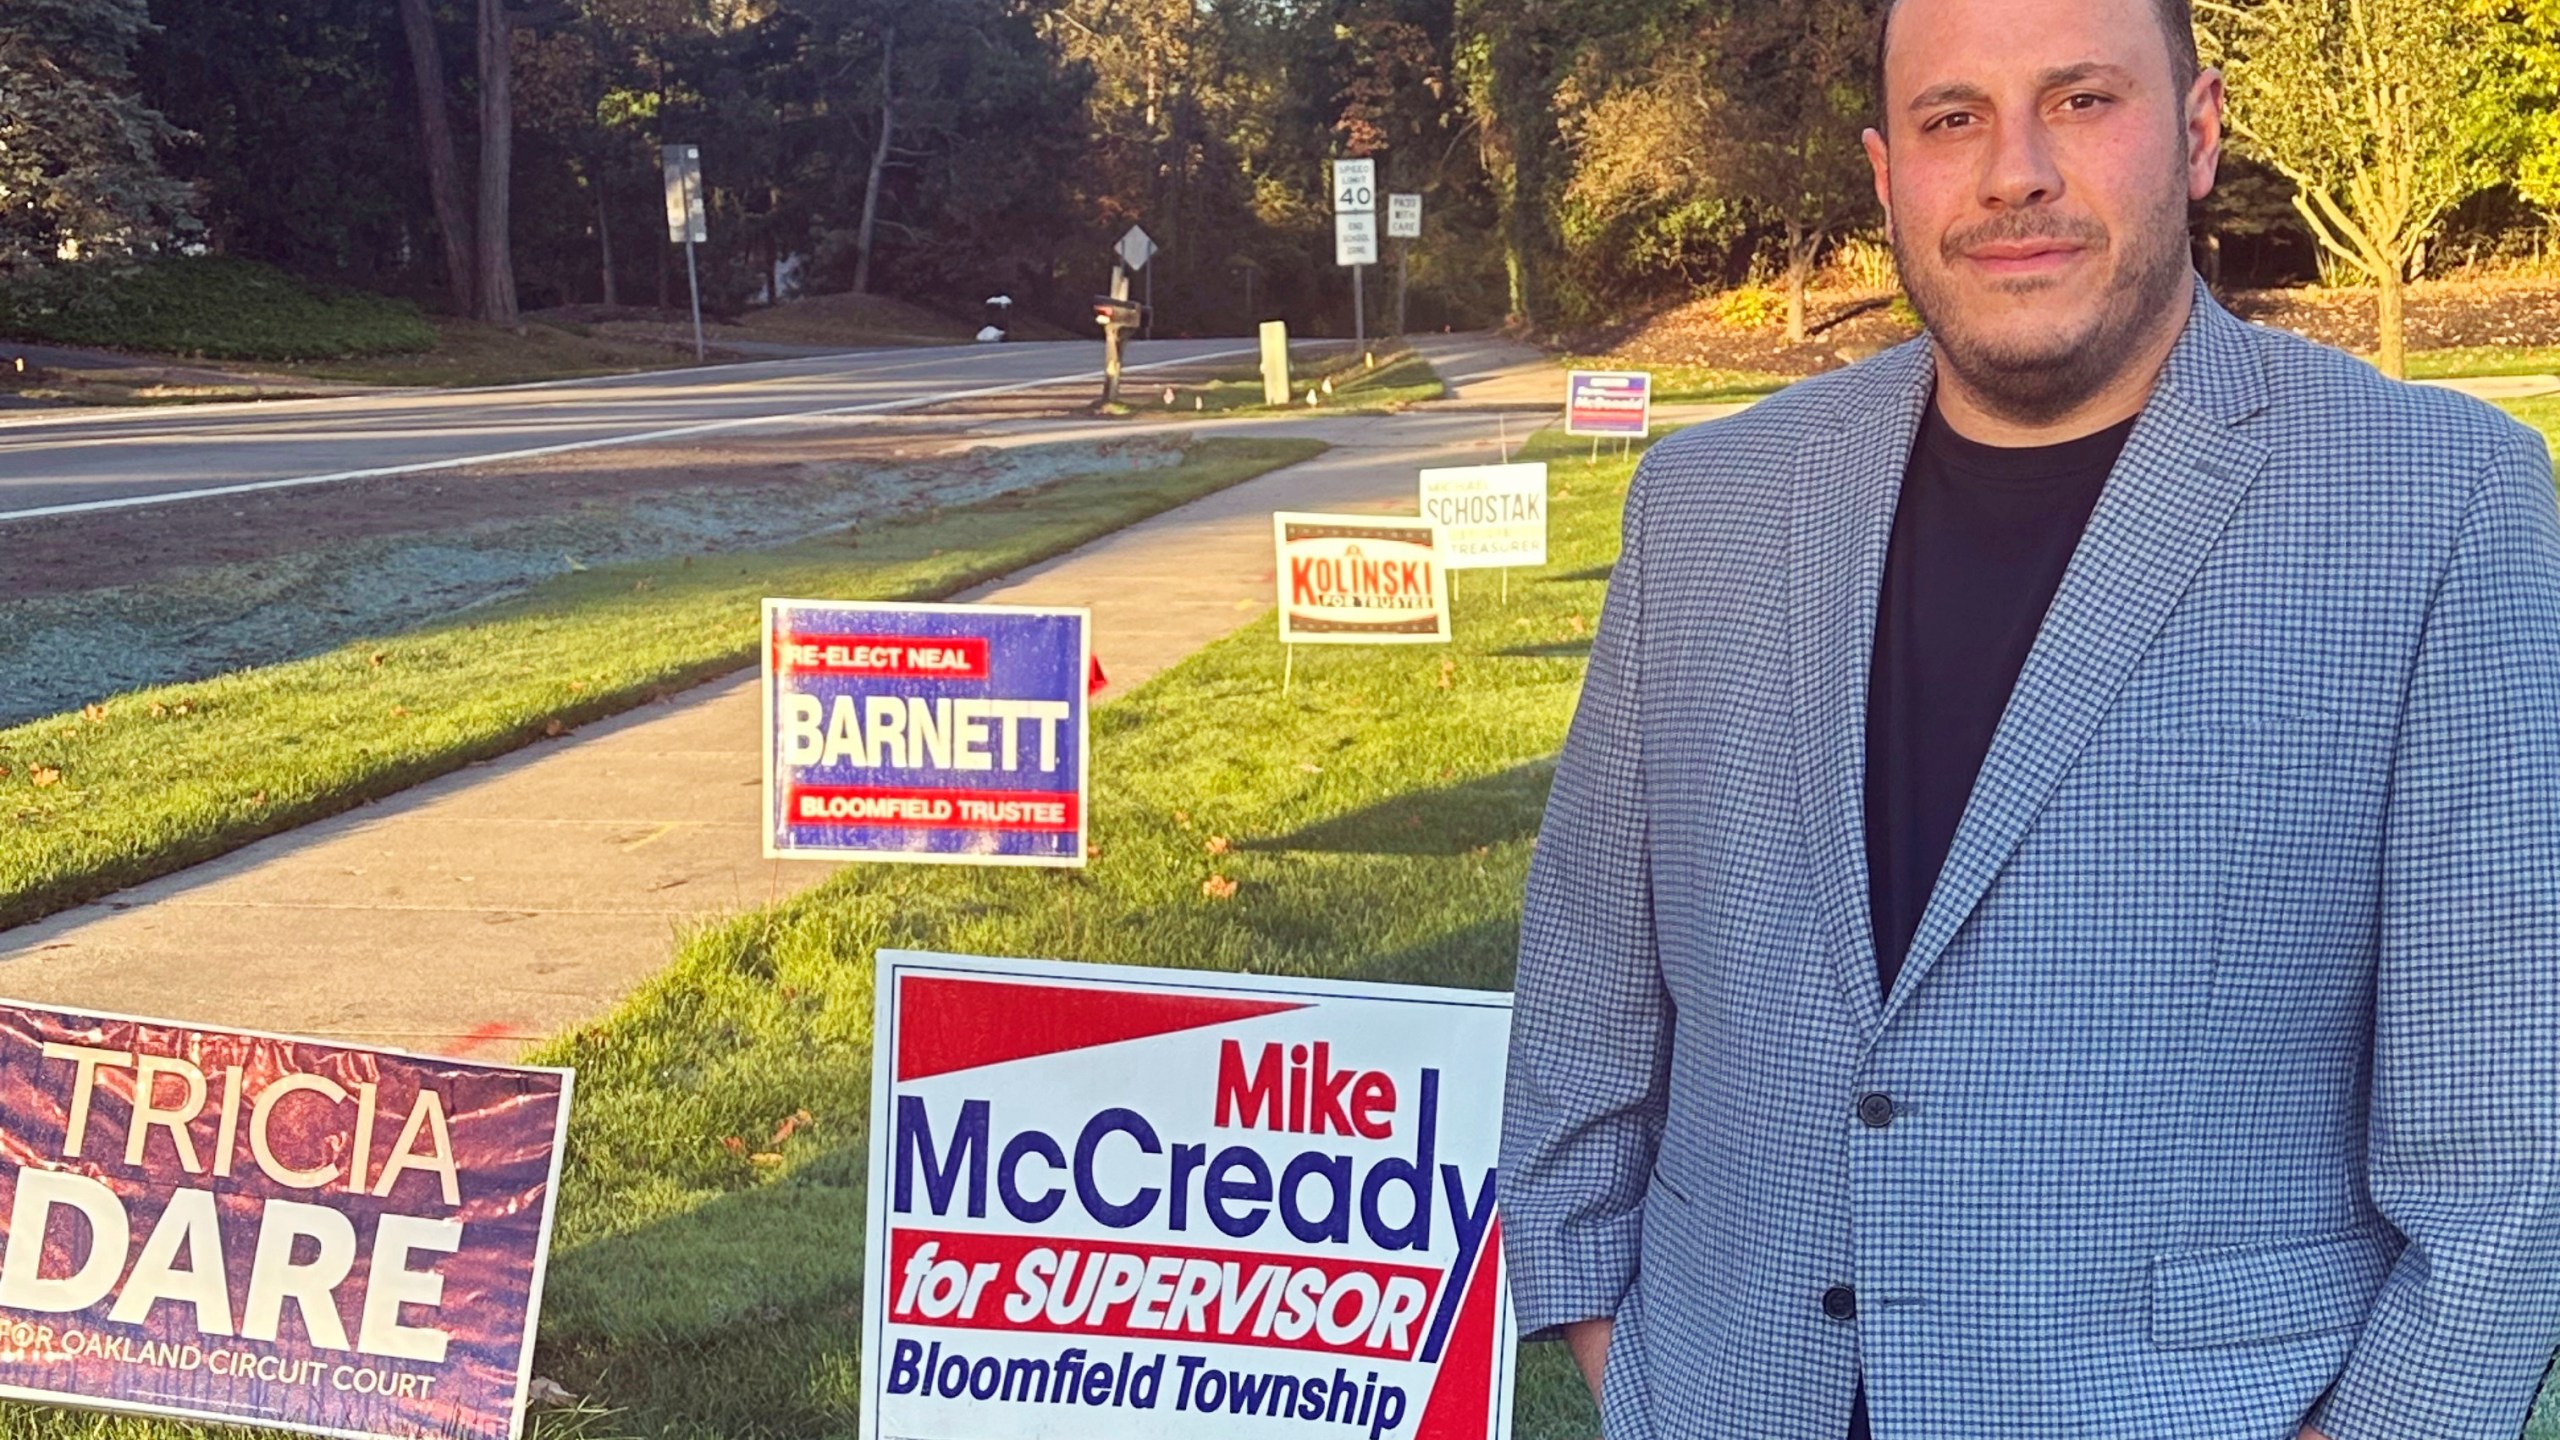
[[1981, 535]]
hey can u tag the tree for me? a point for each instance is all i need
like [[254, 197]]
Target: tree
[[80, 176], [2374, 110], [435, 139], [493, 277], [1793, 84]]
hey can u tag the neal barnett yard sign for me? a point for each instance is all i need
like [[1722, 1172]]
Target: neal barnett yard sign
[[1172, 1205], [950, 733]]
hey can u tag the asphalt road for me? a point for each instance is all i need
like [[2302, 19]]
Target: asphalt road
[[59, 463]]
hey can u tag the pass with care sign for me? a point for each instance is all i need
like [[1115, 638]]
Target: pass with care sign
[[237, 1228], [1175, 1205]]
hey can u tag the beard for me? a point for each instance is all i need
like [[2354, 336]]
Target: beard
[[2034, 377]]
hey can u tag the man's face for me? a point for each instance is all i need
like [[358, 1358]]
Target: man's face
[[2036, 162]]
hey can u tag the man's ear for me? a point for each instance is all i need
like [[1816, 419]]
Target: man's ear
[[2204, 133], [1876, 161]]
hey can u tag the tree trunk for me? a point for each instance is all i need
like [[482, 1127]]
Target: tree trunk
[[1800, 248], [497, 267], [879, 162], [2391, 352], [604, 238], [435, 134]]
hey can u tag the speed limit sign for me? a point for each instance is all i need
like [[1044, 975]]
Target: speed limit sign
[[1355, 186]]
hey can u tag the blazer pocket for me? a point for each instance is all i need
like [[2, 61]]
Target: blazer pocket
[[2229, 1294], [2254, 745]]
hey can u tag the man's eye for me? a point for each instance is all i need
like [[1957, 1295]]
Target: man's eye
[[1949, 122], [2083, 101]]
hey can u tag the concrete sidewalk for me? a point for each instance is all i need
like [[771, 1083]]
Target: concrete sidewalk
[[480, 912]]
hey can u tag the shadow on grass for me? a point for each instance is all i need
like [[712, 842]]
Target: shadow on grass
[[1553, 650], [1595, 572], [1452, 820]]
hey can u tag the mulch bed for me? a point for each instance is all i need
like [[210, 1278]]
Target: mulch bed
[[1846, 327]]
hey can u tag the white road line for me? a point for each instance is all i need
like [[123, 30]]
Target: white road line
[[135, 502]]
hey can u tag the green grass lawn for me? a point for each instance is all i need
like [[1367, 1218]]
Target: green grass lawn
[[151, 781], [213, 306], [1686, 383], [1376, 822], [1400, 377]]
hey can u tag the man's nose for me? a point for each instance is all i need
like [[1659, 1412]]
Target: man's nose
[[2019, 169]]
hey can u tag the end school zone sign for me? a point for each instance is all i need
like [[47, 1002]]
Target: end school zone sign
[[1170, 1205]]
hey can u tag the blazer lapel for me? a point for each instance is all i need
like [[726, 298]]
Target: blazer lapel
[[1840, 520], [2173, 489]]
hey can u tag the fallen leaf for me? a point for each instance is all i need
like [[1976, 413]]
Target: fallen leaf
[[733, 1144], [577, 685], [545, 1391], [552, 728], [94, 714], [1311, 767], [43, 775], [158, 709], [1182, 818], [1218, 887], [1217, 845], [791, 1122], [399, 710], [376, 658], [258, 799]]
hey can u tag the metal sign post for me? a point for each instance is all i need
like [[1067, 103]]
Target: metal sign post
[[685, 221], [1355, 232], [1404, 226]]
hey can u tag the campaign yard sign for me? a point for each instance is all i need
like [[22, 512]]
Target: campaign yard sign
[[236, 1228], [952, 733], [1172, 1205], [1608, 402], [1490, 516], [1360, 579]]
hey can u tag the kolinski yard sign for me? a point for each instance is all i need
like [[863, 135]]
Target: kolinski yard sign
[[1173, 1206], [925, 732], [236, 1228], [1360, 579]]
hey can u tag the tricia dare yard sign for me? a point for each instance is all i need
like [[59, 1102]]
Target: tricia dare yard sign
[[925, 732], [1167, 1205], [233, 1228]]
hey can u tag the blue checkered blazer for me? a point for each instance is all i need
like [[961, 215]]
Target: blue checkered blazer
[[2225, 1066]]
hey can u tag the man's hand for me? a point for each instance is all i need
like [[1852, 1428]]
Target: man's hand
[[1589, 1342], [2310, 1434]]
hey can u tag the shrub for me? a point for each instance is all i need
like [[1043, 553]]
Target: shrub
[[211, 306], [1752, 307]]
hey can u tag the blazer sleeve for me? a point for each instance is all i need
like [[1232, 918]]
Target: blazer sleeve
[[2463, 1133], [1590, 1024]]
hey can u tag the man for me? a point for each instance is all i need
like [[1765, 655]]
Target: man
[[2048, 920]]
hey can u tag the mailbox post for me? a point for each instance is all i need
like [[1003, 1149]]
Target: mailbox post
[[1117, 316]]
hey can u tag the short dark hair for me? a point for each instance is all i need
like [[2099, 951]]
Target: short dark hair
[[2177, 26]]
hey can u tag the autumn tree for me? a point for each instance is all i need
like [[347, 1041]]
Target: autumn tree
[[2374, 110], [1792, 85]]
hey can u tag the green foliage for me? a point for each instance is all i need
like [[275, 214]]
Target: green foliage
[[210, 306], [79, 170], [1752, 307], [166, 777]]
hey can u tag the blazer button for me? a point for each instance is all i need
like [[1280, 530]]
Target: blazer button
[[1840, 1303], [1876, 1108]]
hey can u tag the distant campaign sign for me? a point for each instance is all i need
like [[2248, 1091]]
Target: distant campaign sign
[[1359, 580], [242, 1229], [1489, 516], [951, 733], [1608, 402], [1173, 1205]]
